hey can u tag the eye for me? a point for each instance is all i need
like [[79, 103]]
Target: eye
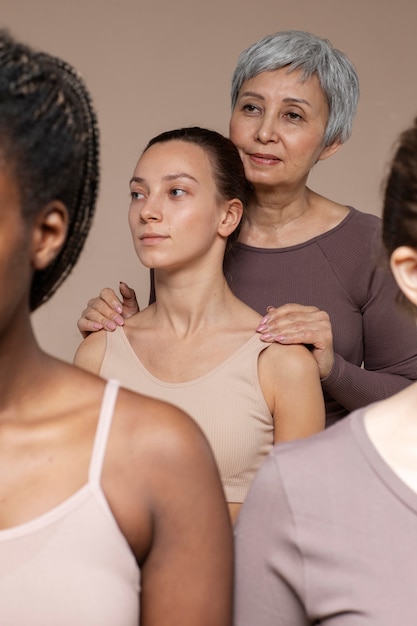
[[136, 195], [177, 193], [293, 116], [250, 108]]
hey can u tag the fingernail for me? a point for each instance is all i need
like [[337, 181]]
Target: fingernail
[[119, 309], [97, 326], [119, 320], [262, 327], [110, 325], [267, 337]]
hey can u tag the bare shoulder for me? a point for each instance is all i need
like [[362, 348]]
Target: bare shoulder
[[164, 488], [163, 431], [288, 361], [90, 352], [159, 472], [290, 381]]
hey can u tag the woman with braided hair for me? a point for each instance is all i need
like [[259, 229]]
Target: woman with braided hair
[[112, 509]]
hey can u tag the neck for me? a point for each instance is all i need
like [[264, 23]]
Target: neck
[[20, 365], [277, 208], [189, 303], [273, 216]]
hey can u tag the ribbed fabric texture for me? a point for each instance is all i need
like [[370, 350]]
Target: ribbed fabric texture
[[227, 403], [344, 273]]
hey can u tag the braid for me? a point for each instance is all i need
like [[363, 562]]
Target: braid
[[49, 132]]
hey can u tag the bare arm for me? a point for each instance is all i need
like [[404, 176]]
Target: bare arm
[[108, 311], [187, 566], [290, 382], [188, 573]]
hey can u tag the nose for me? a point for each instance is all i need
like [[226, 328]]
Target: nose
[[267, 130], [150, 210]]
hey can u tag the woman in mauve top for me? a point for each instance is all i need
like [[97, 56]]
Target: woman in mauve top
[[318, 262], [328, 533], [112, 510]]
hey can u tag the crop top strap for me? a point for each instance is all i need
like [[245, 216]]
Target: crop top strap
[[102, 432]]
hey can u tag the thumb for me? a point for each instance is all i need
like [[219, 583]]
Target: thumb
[[130, 303]]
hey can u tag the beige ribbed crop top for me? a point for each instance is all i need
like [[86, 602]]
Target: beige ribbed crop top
[[227, 403], [71, 565]]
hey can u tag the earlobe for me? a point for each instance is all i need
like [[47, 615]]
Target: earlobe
[[404, 267], [231, 217], [330, 150], [49, 234]]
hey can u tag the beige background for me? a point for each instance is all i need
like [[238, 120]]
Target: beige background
[[160, 64]]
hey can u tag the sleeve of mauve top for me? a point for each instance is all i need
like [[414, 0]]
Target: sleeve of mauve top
[[390, 347], [269, 576]]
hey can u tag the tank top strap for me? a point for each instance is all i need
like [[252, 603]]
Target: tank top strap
[[103, 428]]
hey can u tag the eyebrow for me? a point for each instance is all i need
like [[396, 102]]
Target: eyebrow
[[168, 177], [289, 100]]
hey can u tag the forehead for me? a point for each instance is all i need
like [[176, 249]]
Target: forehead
[[282, 83], [175, 156]]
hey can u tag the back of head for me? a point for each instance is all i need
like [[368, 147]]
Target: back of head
[[400, 201], [296, 49], [49, 140]]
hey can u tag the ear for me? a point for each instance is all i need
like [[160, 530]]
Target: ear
[[49, 233], [404, 267], [231, 216], [330, 150]]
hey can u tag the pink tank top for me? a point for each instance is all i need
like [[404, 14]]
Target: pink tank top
[[72, 565]]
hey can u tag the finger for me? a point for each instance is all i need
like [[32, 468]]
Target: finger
[[109, 298], [315, 321], [127, 292], [290, 310], [130, 303], [320, 338], [98, 311], [86, 326]]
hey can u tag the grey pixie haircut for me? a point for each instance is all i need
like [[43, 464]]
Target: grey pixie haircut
[[298, 49]]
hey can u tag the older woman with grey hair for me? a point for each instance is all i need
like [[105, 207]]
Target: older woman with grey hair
[[318, 262], [327, 534]]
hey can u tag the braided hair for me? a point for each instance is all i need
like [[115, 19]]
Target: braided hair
[[49, 138]]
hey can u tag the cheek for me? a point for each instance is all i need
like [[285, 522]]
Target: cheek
[[132, 218], [308, 148], [234, 130]]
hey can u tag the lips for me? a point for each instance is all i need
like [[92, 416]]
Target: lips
[[151, 238], [264, 159]]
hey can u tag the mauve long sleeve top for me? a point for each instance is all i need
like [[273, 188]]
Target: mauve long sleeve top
[[345, 273]]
